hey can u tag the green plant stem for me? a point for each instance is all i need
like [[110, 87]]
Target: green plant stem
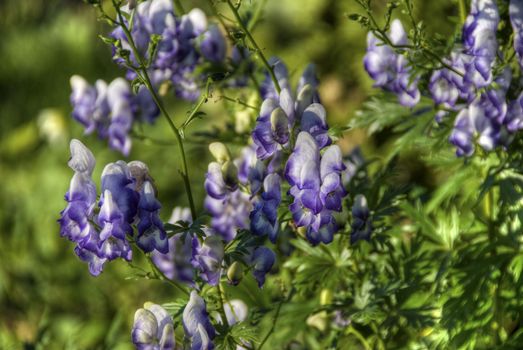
[[382, 35], [253, 43], [462, 11], [161, 276], [222, 304], [203, 99], [220, 19], [275, 318], [144, 76], [361, 338]]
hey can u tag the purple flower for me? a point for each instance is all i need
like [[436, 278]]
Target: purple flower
[[75, 218], [176, 264], [516, 18], [90, 107], [483, 119], [213, 46], [197, 324], [314, 121], [113, 243], [514, 117], [479, 39], [116, 177], [153, 329], [151, 234], [227, 204], [264, 216], [390, 70], [361, 227], [208, 257], [267, 88], [119, 98], [316, 187], [272, 126], [262, 260]]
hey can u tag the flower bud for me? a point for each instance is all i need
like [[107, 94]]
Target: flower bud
[[280, 126], [325, 296], [132, 4], [220, 152], [235, 273], [305, 99], [230, 174]]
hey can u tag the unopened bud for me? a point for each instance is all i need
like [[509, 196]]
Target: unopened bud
[[230, 174], [325, 296], [220, 152], [304, 99], [235, 273], [132, 4], [280, 126]]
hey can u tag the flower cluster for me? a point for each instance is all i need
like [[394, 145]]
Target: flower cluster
[[127, 197], [227, 204], [197, 324], [469, 82], [111, 109], [390, 70], [316, 187], [185, 43]]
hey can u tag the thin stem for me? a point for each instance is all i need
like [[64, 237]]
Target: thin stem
[[222, 307], [142, 72], [253, 42], [275, 318], [462, 11], [237, 100], [382, 35], [242, 54], [203, 99], [161, 276], [360, 337]]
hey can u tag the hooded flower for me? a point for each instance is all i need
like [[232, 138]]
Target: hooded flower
[[262, 261], [479, 40], [176, 264], [361, 224], [153, 329], [264, 217], [197, 324], [207, 257], [516, 18]]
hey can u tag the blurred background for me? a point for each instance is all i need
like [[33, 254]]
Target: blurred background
[[47, 297]]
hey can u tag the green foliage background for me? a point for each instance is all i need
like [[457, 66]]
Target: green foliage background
[[48, 300]]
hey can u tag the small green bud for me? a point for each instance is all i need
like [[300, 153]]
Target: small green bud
[[235, 273], [220, 152], [304, 99], [230, 174], [325, 296]]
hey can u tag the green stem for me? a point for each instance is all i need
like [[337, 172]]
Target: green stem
[[203, 99], [220, 19], [257, 48], [161, 276], [222, 307], [142, 72], [462, 11], [360, 337], [275, 318]]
